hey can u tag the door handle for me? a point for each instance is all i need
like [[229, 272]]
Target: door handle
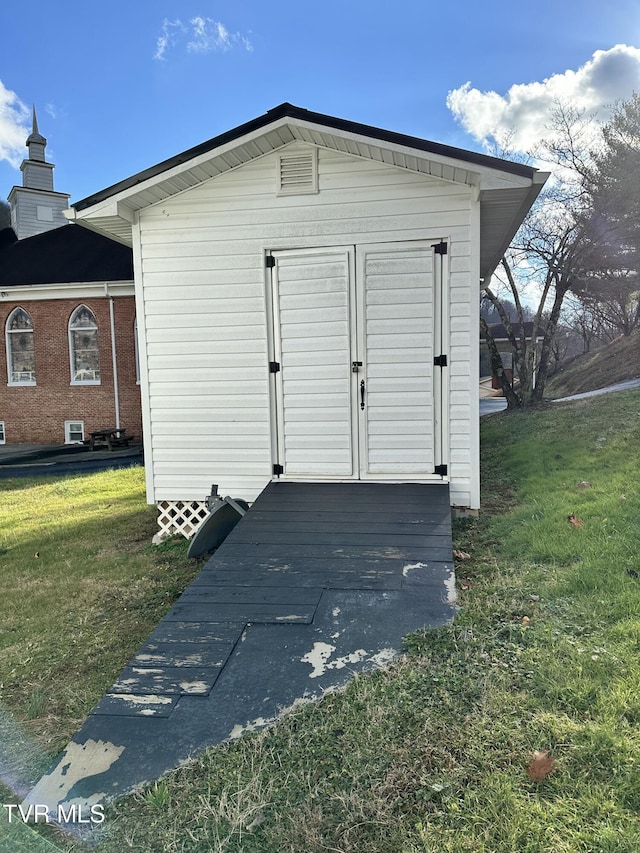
[[362, 386]]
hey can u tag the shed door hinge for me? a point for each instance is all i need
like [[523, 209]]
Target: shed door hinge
[[440, 248], [441, 470], [274, 367], [278, 469], [440, 360], [270, 261]]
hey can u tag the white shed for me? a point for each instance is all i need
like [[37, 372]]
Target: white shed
[[307, 304]]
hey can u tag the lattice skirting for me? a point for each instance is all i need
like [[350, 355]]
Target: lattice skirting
[[180, 518]]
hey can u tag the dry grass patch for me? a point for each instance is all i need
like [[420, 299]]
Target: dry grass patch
[[615, 362]]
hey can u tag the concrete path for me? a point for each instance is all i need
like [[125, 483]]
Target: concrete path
[[318, 581], [619, 386], [489, 405]]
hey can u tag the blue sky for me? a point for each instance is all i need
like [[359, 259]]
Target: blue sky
[[121, 86]]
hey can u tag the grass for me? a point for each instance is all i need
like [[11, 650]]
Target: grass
[[615, 362], [430, 755], [82, 588], [18, 837]]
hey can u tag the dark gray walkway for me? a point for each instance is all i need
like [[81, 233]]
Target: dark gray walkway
[[316, 582]]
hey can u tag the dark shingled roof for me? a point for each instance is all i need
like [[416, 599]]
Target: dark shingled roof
[[70, 253]]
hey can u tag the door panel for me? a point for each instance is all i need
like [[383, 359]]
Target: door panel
[[312, 316], [374, 304], [396, 337]]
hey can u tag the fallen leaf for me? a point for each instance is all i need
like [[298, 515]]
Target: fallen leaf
[[37, 554], [525, 620], [584, 485], [467, 583], [462, 555], [575, 521], [623, 497], [540, 765]]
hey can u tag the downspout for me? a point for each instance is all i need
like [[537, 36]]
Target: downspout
[[114, 359]]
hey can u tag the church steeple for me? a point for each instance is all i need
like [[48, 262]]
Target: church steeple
[[36, 143], [37, 174], [35, 206]]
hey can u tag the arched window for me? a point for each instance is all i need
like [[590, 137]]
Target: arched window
[[83, 347], [21, 356]]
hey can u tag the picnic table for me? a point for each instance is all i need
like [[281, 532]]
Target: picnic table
[[111, 438]]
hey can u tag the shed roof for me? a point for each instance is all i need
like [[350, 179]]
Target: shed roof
[[290, 111], [506, 190], [62, 255]]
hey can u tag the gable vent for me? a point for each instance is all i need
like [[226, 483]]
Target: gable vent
[[298, 172]]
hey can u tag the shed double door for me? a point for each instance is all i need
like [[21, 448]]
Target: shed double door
[[355, 393]]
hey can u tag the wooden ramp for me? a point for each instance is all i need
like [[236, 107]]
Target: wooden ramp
[[316, 582]]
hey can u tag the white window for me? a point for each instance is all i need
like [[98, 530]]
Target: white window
[[44, 214], [21, 357], [73, 432], [3, 438], [83, 347]]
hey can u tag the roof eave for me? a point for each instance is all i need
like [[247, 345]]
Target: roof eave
[[114, 210], [495, 250], [289, 113]]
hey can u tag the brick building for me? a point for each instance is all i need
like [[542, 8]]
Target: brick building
[[67, 308]]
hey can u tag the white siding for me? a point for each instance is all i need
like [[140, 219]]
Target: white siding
[[203, 280], [24, 211], [38, 176]]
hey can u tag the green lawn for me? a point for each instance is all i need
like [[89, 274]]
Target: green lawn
[[82, 587], [431, 754], [18, 837]]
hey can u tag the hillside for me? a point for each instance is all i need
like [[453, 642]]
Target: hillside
[[616, 362]]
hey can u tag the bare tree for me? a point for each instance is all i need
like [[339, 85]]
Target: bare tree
[[585, 323], [546, 261]]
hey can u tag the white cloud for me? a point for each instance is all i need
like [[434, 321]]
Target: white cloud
[[15, 125], [167, 37], [202, 35], [522, 117], [208, 35]]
